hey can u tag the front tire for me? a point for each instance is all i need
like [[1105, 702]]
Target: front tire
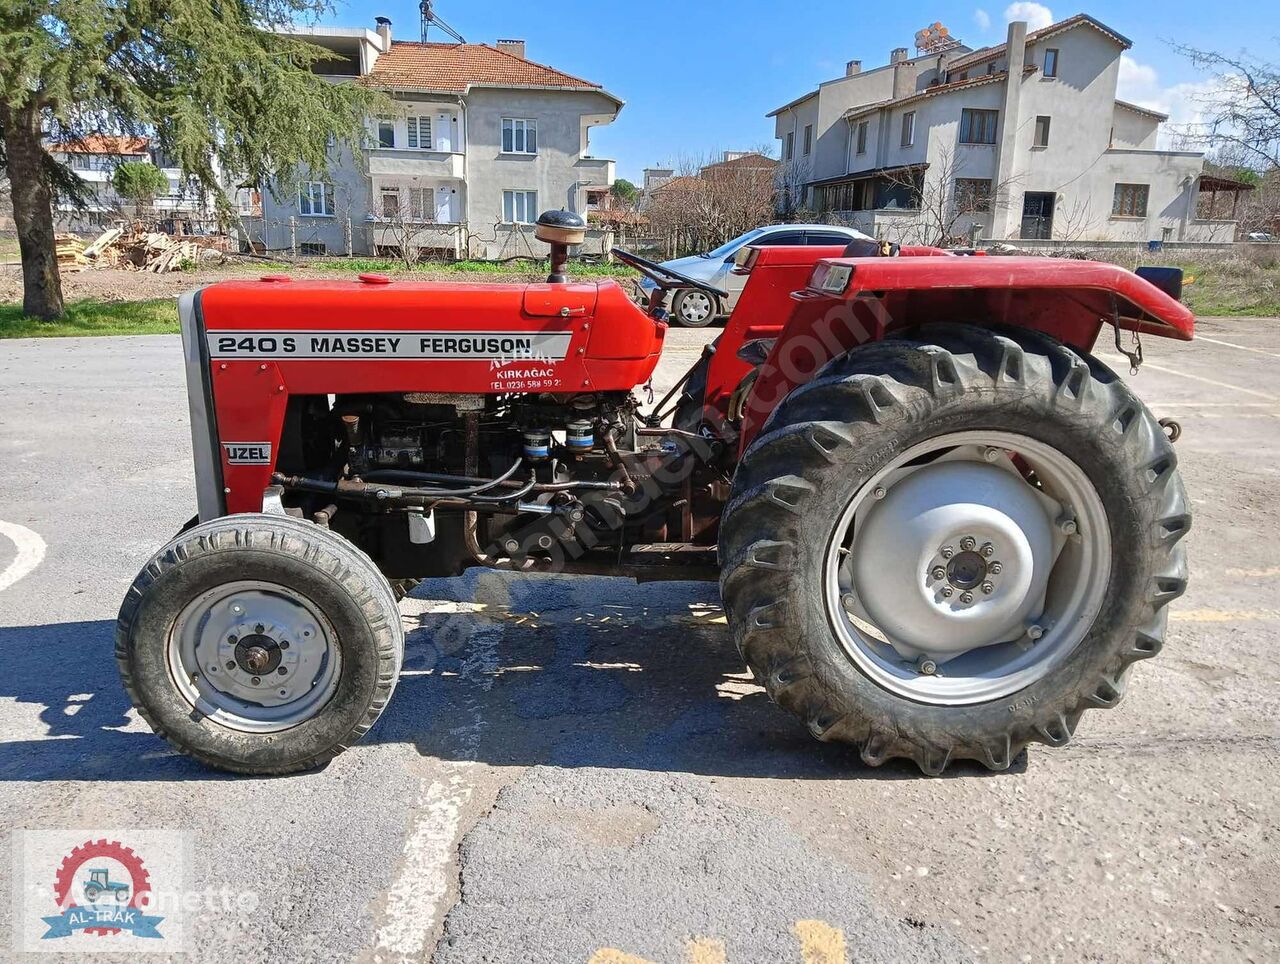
[[839, 591], [692, 308], [260, 644]]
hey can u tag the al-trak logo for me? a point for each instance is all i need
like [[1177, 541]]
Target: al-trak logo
[[102, 888]]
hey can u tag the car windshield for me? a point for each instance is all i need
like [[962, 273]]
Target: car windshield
[[729, 247]]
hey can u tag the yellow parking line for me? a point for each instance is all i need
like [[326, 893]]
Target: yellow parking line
[[820, 943], [609, 955], [704, 950], [1254, 573], [1221, 615]]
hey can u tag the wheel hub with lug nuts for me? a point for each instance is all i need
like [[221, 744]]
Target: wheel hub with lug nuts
[[254, 656], [960, 573], [937, 520]]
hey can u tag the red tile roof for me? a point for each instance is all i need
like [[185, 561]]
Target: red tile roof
[[755, 161], [458, 67], [1079, 20], [105, 144]]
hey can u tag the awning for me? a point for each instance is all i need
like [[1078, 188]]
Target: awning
[[876, 172]]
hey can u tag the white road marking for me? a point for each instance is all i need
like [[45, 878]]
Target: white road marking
[[1217, 341], [1210, 381], [416, 898], [31, 550]]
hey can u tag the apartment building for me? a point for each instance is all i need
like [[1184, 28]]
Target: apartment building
[[94, 159], [480, 141], [1025, 140]]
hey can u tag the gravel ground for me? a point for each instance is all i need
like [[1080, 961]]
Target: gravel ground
[[579, 769]]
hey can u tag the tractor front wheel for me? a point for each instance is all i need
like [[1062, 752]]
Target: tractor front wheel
[[260, 644], [951, 545]]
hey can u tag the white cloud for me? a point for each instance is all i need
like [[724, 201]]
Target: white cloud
[[982, 19], [1037, 15], [1139, 84]]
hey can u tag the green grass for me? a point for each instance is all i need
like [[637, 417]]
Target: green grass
[[158, 317], [1232, 286]]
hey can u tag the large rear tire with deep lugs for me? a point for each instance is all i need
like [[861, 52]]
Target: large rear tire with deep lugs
[[950, 545]]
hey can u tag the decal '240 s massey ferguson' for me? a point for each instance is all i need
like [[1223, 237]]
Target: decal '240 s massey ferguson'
[[499, 346]]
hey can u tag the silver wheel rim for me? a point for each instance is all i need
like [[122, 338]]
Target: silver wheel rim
[[695, 306], [254, 656], [968, 567]]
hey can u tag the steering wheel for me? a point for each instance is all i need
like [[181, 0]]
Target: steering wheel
[[664, 277]]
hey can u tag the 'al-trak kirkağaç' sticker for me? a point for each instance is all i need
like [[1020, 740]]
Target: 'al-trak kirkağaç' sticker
[[392, 345], [247, 453]]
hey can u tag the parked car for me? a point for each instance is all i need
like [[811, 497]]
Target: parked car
[[692, 308], [1259, 236]]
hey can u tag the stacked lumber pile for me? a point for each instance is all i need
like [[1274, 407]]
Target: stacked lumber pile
[[130, 250], [70, 252]]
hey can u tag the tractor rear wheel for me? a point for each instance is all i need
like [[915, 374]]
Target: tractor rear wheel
[[950, 545], [260, 644]]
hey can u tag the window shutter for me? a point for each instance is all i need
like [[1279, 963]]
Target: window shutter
[[412, 123]]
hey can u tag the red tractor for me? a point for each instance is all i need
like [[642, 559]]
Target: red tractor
[[942, 529]]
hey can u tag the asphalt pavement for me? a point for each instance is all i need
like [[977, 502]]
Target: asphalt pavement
[[579, 769]]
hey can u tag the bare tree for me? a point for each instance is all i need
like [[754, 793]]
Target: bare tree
[[1241, 111], [706, 204], [942, 205]]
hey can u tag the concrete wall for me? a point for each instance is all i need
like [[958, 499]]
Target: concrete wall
[[557, 172], [347, 174], [1081, 164], [1134, 130], [476, 166]]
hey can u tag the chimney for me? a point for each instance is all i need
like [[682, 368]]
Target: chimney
[[513, 47], [853, 67], [897, 55], [1016, 48], [384, 32]]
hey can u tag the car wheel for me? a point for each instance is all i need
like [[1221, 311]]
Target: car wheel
[[694, 309]]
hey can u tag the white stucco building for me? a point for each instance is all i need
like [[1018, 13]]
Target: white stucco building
[[1023, 141], [94, 159], [478, 142]]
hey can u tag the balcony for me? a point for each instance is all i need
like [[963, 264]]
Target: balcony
[[411, 162], [595, 170]]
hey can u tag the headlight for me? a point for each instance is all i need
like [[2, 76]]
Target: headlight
[[831, 279]]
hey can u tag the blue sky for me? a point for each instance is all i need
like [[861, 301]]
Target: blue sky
[[698, 77]]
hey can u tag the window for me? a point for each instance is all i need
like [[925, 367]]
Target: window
[[422, 204], [519, 207], [315, 198], [827, 238], [1051, 62], [862, 138], [386, 132], [1042, 132], [973, 195], [390, 203], [419, 132], [908, 128], [1130, 201], [313, 248], [519, 136], [808, 139], [780, 239], [978, 126], [789, 151]]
